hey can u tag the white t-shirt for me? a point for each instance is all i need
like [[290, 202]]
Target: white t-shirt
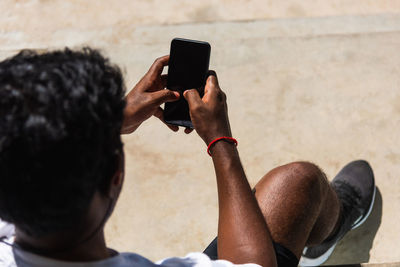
[[12, 256]]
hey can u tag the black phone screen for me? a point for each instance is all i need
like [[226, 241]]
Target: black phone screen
[[187, 69]]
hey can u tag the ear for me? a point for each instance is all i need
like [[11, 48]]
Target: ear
[[118, 177]]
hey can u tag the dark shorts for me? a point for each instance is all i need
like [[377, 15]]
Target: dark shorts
[[284, 256]]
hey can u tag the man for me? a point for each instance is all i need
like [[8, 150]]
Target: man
[[62, 170]]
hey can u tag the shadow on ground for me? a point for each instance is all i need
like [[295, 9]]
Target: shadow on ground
[[354, 248]]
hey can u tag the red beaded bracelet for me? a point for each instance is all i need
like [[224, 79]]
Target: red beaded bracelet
[[224, 138]]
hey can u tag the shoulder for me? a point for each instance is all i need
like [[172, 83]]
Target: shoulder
[[199, 260]]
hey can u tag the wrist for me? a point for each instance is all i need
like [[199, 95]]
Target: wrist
[[224, 139], [209, 138], [224, 151], [129, 125]]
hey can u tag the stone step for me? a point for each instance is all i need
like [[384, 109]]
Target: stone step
[[395, 264], [48, 16], [101, 36], [320, 89]]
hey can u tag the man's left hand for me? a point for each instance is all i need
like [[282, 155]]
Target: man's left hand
[[144, 100]]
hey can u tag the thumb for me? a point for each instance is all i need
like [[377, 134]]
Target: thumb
[[165, 95], [192, 97]]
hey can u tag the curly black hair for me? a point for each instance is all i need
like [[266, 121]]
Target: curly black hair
[[60, 119]]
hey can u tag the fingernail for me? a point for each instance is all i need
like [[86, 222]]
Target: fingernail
[[177, 94]]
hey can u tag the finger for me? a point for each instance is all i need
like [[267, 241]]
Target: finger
[[192, 97], [211, 89], [172, 127], [160, 114], [158, 65], [211, 72], [157, 87], [212, 80], [165, 95], [188, 130]]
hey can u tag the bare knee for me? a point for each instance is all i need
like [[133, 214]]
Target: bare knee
[[304, 175], [307, 177], [291, 198], [302, 181]]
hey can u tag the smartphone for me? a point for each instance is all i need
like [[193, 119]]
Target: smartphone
[[187, 69]]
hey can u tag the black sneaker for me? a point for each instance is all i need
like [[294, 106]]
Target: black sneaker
[[355, 187]]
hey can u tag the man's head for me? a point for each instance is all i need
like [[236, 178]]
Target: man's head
[[60, 121]]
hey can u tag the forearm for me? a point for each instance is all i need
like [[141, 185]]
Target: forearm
[[243, 235]]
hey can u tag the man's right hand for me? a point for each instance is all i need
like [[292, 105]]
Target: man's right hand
[[209, 114]]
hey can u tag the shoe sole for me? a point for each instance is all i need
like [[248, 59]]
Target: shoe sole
[[368, 213], [317, 261], [324, 257]]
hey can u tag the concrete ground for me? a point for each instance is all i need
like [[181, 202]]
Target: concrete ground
[[306, 80]]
